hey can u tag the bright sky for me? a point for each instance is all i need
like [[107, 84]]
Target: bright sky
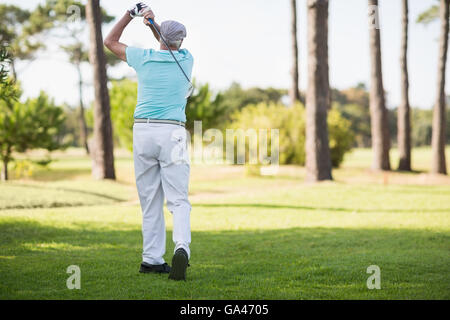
[[248, 41]]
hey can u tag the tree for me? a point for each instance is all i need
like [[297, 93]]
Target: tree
[[294, 92], [353, 103], [438, 137], [404, 117], [8, 95], [102, 148], [439, 113], [235, 97], [422, 127], [61, 19], [68, 20], [78, 55], [18, 28], [378, 111], [37, 123], [318, 160]]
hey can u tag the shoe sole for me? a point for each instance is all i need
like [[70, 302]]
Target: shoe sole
[[179, 266], [157, 272], [146, 270]]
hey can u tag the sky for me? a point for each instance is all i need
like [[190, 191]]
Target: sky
[[248, 41]]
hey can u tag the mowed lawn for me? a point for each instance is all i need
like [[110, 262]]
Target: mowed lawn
[[252, 237]]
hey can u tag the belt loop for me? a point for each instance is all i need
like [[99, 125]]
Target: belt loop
[[148, 120]]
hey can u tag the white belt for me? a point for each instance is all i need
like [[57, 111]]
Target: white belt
[[175, 122]]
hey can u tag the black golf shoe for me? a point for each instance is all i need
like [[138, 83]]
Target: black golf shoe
[[154, 268], [180, 262]]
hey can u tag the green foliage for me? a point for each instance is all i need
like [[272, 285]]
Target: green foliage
[[77, 52], [203, 106], [34, 124], [291, 124], [353, 104], [19, 28], [429, 15], [422, 127], [8, 91], [236, 98], [23, 169], [421, 130], [4, 60], [59, 14], [123, 96], [45, 121], [340, 135], [275, 116], [70, 132], [89, 114], [72, 29], [14, 21]]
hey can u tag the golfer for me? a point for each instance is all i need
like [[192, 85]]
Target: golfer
[[161, 161]]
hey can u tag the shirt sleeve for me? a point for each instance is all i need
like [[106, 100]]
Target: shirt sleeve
[[134, 56]]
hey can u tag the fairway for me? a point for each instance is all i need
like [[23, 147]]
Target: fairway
[[252, 237]]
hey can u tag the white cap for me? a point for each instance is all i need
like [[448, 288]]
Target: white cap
[[173, 31]]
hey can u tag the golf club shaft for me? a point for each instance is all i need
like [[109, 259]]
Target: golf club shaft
[[167, 45]]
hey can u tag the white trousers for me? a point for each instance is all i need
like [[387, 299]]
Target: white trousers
[[161, 165]]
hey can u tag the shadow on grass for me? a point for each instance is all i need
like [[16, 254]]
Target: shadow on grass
[[308, 208], [59, 188], [296, 263], [60, 174]]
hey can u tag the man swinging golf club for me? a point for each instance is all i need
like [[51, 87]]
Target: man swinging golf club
[[161, 161]]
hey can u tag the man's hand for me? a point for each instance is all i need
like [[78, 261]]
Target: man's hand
[[148, 15], [138, 9]]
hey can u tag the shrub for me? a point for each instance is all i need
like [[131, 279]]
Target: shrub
[[341, 137], [291, 124], [37, 123], [123, 96]]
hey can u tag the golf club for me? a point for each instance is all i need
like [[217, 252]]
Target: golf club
[[191, 86]]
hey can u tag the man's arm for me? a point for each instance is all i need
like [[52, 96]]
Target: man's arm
[[112, 40], [147, 15]]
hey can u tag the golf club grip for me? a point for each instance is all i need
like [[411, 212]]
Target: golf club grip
[[168, 48]]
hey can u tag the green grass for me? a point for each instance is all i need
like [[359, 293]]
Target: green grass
[[61, 194], [252, 237]]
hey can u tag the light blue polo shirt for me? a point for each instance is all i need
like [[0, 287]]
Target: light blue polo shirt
[[162, 87]]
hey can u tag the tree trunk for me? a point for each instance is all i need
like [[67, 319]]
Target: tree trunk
[[82, 119], [5, 170], [378, 112], [318, 160], [294, 93], [102, 151], [438, 138], [13, 70], [404, 118]]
